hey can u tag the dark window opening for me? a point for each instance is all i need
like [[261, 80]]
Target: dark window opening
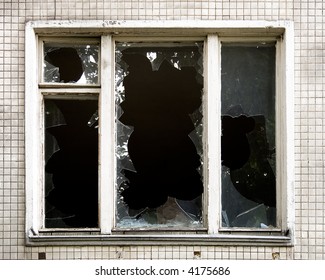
[[159, 137], [248, 135], [71, 163]]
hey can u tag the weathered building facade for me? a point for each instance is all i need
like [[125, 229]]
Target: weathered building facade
[[95, 94]]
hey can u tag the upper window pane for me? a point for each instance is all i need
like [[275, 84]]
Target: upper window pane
[[248, 135], [159, 135], [65, 63]]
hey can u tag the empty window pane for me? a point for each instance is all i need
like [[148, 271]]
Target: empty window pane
[[71, 168], [248, 135], [70, 64], [159, 135]]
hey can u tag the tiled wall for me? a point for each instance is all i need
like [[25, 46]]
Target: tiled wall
[[308, 17]]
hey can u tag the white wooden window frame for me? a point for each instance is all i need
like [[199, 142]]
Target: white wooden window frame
[[212, 33]]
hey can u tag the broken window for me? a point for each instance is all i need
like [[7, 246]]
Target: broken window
[[248, 135], [70, 63], [159, 134], [71, 163], [125, 135]]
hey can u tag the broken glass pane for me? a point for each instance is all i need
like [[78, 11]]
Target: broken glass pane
[[71, 163], [70, 64], [159, 135], [248, 135]]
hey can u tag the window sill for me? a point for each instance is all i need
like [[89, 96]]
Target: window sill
[[190, 239]]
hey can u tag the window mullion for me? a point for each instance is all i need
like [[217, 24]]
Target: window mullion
[[213, 137], [106, 138]]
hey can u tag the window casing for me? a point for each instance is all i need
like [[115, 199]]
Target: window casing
[[102, 91]]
